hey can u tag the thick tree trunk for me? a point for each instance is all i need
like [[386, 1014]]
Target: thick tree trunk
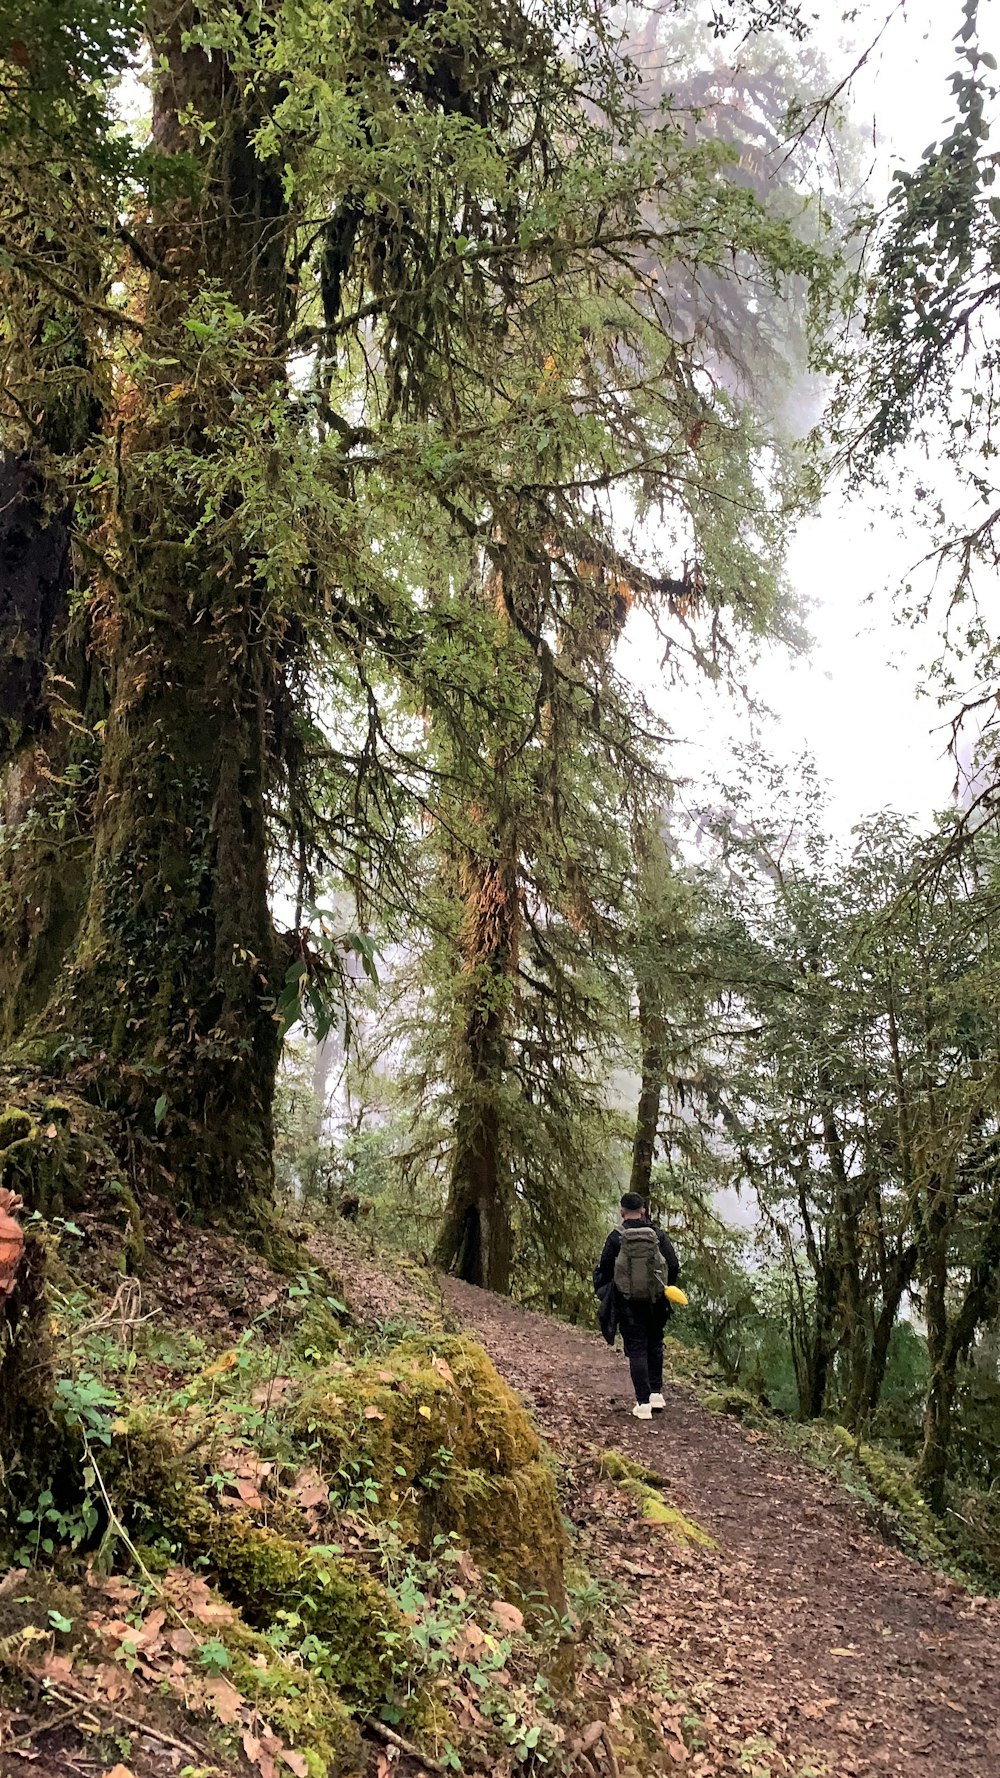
[[648, 1113], [932, 1468], [894, 1289], [476, 1236], [165, 987], [822, 1344], [476, 1241], [949, 1340]]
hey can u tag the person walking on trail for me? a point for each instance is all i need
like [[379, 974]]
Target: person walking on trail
[[637, 1264]]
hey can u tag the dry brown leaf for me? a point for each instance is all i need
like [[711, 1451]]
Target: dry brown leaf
[[466, 1567], [241, 1491], [296, 1762], [223, 1697], [507, 1615], [227, 1362], [148, 1636], [373, 1413], [194, 1598], [310, 1490], [274, 1391], [111, 1682], [58, 1667], [119, 1771]]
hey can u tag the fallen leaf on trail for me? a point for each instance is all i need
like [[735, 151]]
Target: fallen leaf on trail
[[148, 1636], [849, 1654], [444, 1369], [507, 1615], [374, 1413], [424, 1411], [310, 1490], [119, 1771], [466, 1567], [193, 1596], [471, 1641], [590, 1737]]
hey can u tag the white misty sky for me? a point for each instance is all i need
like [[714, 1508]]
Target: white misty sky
[[853, 702]]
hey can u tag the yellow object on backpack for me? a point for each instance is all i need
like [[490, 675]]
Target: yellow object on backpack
[[674, 1294]]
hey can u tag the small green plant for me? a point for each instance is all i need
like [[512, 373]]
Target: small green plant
[[214, 1655]]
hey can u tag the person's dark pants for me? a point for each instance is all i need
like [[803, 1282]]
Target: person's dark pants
[[642, 1326]]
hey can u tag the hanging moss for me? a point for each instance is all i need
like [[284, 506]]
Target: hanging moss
[[449, 1449]]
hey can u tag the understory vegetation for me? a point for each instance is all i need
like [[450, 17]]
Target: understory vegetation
[[406, 410], [276, 1528]]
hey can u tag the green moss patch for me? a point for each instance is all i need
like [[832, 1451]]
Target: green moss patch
[[638, 1482], [360, 1638], [891, 1483], [443, 1446], [734, 1402]]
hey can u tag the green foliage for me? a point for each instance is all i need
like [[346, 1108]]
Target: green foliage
[[432, 1439], [354, 476]]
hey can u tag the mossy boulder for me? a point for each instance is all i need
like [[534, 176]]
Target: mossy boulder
[[362, 1640], [734, 1402], [446, 1447]]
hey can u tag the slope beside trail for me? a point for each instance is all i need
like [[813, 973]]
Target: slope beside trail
[[808, 1645]]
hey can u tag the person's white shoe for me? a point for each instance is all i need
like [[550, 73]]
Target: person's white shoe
[[642, 1411], [657, 1402]]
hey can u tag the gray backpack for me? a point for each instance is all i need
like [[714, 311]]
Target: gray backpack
[[640, 1268]]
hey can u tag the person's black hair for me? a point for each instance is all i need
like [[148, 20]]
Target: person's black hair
[[632, 1201]]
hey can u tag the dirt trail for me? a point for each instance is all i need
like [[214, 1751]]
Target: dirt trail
[[809, 1644]]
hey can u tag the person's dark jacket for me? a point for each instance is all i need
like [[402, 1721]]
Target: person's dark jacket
[[613, 1309]]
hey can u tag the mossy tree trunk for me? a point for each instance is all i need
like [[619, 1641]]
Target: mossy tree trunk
[[51, 680], [476, 1236], [651, 1035], [950, 1335], [163, 994]]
